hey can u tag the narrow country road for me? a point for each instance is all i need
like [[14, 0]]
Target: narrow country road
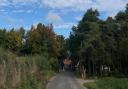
[[64, 80]]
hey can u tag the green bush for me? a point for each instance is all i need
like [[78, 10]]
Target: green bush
[[54, 64]]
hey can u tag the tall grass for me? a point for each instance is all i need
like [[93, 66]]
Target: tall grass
[[30, 72], [109, 83]]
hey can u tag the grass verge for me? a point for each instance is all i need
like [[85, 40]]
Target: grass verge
[[108, 83]]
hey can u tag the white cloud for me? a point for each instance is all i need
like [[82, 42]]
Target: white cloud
[[14, 2], [10, 20], [22, 11], [54, 18], [66, 3], [64, 25], [78, 18], [17, 6], [111, 7], [108, 6], [13, 20], [2, 10], [58, 22], [3, 2], [84, 4], [72, 4]]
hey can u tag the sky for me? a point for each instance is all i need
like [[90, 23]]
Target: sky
[[63, 14]]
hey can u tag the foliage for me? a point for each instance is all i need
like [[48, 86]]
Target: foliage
[[97, 44], [42, 39]]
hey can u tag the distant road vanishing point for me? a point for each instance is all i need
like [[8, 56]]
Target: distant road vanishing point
[[64, 80]]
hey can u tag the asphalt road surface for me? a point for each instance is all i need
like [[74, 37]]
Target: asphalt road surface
[[64, 80]]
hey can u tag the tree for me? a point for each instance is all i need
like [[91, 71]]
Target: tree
[[3, 37], [121, 16], [42, 39], [14, 40], [91, 15], [84, 38], [97, 44], [126, 11]]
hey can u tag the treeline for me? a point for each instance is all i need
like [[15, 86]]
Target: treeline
[[101, 45], [39, 39]]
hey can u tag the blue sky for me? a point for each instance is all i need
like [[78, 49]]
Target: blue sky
[[63, 14]]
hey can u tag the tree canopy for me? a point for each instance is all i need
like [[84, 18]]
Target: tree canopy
[[97, 43]]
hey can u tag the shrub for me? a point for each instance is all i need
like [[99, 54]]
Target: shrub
[[29, 72]]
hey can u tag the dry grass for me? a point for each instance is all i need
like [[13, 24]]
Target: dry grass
[[19, 72]]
